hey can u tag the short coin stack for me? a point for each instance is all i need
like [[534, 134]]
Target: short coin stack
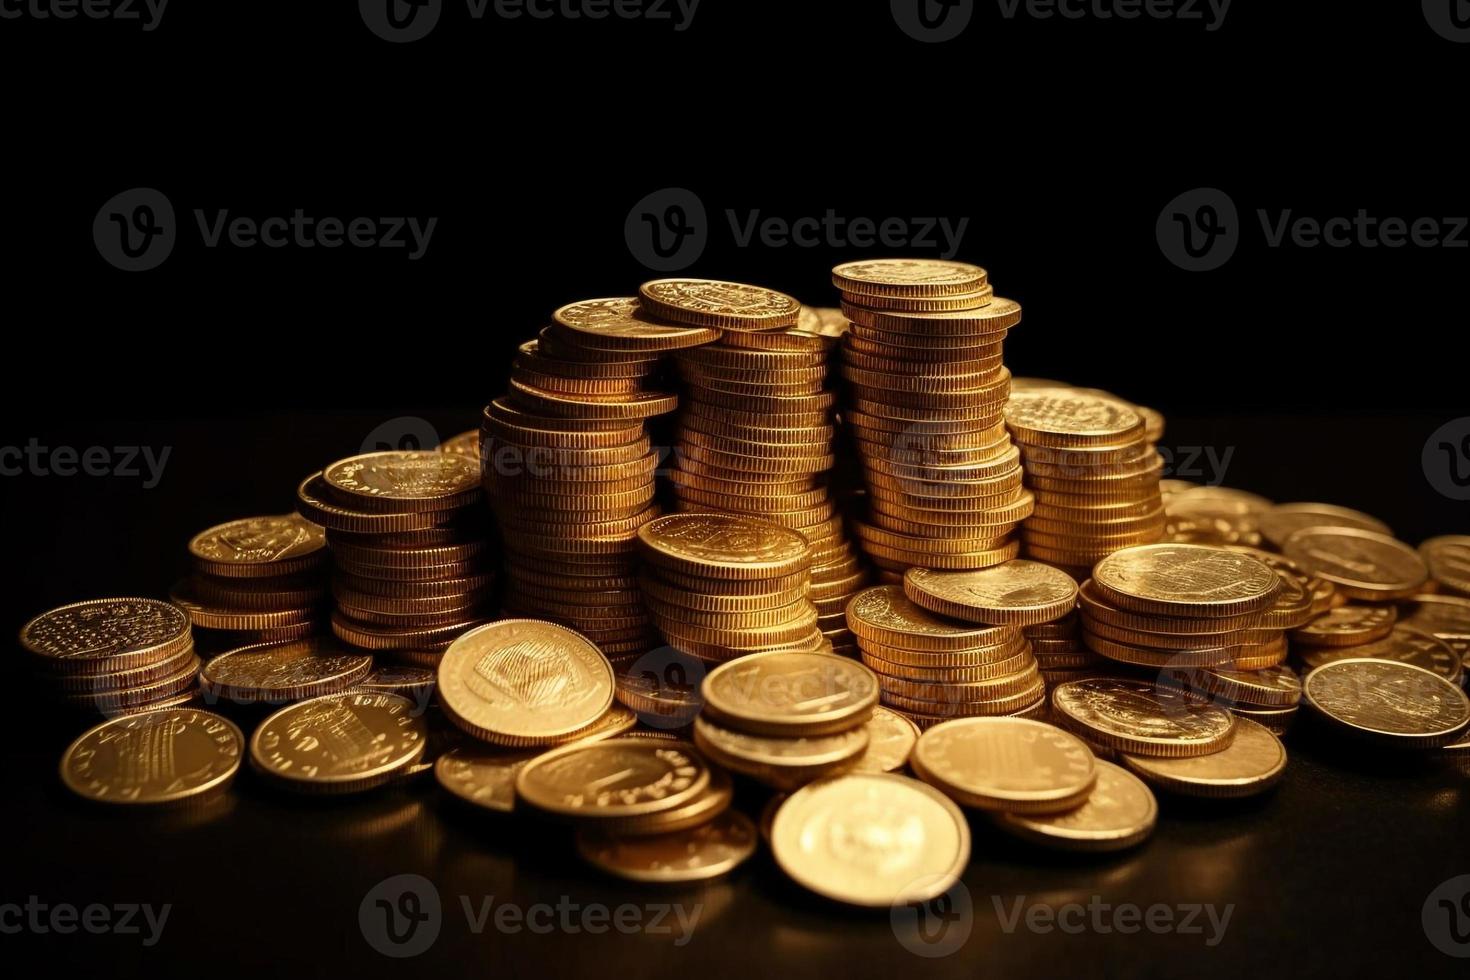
[[256, 580], [408, 548], [720, 586], [569, 467], [926, 394], [1093, 472], [932, 668]]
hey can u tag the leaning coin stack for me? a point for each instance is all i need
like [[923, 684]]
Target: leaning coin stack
[[720, 586], [569, 467], [256, 580], [408, 548], [1093, 472], [932, 668], [756, 426], [114, 656], [926, 394]]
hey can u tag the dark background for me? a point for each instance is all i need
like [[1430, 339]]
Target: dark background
[[1325, 370]]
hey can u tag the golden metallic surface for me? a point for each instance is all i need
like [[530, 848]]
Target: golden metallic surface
[[273, 673], [1277, 721], [160, 757], [1095, 608], [216, 617], [1448, 559], [101, 636], [1119, 813], [719, 305], [620, 323], [1346, 626], [416, 480], [1061, 418], [482, 776], [891, 739], [885, 614], [465, 444], [695, 854], [724, 546], [313, 501], [340, 743], [1141, 718], [417, 683], [790, 694], [259, 546], [613, 778], [871, 839], [1140, 656], [1017, 593], [1253, 762], [782, 762], [522, 682], [908, 277], [1006, 764], [1362, 564], [1403, 643], [1273, 687], [1388, 702], [1185, 580], [1283, 520]]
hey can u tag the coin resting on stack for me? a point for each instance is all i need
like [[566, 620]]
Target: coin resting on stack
[[408, 548], [926, 391]]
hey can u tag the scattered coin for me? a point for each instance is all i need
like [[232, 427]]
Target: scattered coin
[[340, 743], [163, 756], [1140, 718], [697, 854], [1252, 763], [1362, 564], [1388, 702], [1119, 813], [1006, 764]]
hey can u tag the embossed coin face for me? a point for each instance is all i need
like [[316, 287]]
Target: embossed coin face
[[1119, 813], [260, 545], [1283, 520], [340, 743], [1362, 564], [1019, 593], [1062, 415], [105, 635], [697, 854], [891, 739], [406, 477], [290, 671], [621, 320], [523, 682], [1252, 763], [908, 277], [1403, 643], [1448, 558], [1347, 626], [1142, 718], [722, 305], [1186, 579], [619, 777], [1009, 764], [1388, 701], [886, 614], [163, 756], [724, 545], [481, 776], [871, 839], [790, 693]]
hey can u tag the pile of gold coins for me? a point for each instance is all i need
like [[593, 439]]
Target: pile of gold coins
[[408, 548], [927, 391]]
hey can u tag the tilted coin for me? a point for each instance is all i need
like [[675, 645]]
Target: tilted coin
[[908, 277], [724, 545], [721, 305], [340, 743], [783, 762], [1006, 764], [259, 546], [790, 694], [1018, 592], [162, 756], [1346, 626], [1448, 558], [696, 854], [891, 739], [1252, 763], [272, 673], [1362, 564], [1277, 686], [620, 323], [1142, 718], [100, 636], [1119, 813], [1388, 702], [1281, 521], [482, 776], [884, 613], [1185, 580], [1403, 643], [414, 480], [613, 778]]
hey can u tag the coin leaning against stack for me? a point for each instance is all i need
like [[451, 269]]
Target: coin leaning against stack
[[926, 392], [569, 467], [408, 549]]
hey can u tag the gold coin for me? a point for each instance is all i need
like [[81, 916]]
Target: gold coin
[[273, 673], [1061, 418], [885, 614], [985, 324], [1403, 643], [215, 617], [1141, 718], [1347, 626], [465, 444], [1119, 813], [1446, 617], [1388, 702], [852, 301], [782, 762], [161, 756], [482, 776], [313, 503], [416, 480], [259, 546], [522, 682], [1277, 721], [1185, 579], [790, 694], [908, 277], [1096, 609], [695, 854], [891, 740], [1006, 764], [1448, 559], [1252, 763], [620, 323], [340, 743], [1283, 520], [1362, 564], [101, 636], [720, 305], [83, 693], [1018, 593], [118, 680], [412, 682], [613, 778], [871, 839], [724, 546], [1274, 687]]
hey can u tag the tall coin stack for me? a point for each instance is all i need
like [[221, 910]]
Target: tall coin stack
[[408, 549], [1093, 472], [927, 391], [569, 467]]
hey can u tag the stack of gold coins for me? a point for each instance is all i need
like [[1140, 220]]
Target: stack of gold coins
[[1093, 472], [720, 586], [786, 719], [756, 426], [408, 548], [114, 656], [1448, 559], [1445, 617], [927, 390], [1180, 606], [932, 668], [1302, 598], [256, 580], [569, 467]]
